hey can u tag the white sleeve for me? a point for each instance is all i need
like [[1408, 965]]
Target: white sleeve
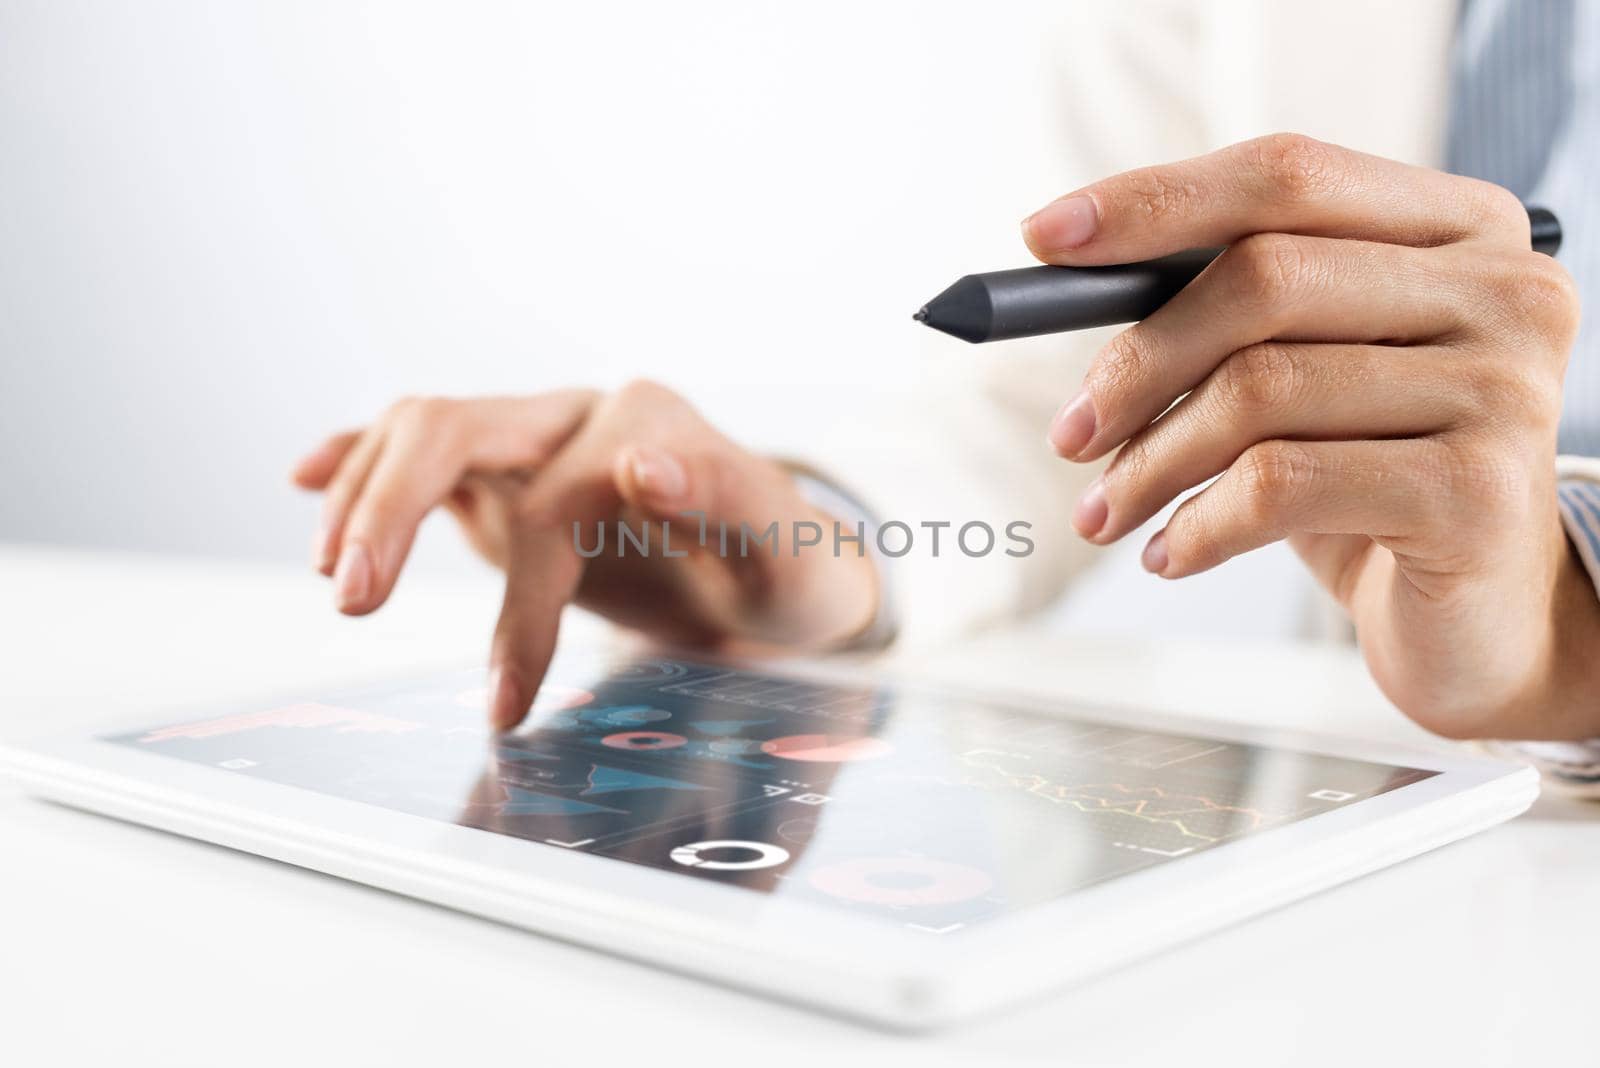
[[963, 441], [967, 504]]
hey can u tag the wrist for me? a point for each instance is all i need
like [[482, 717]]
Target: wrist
[[1569, 706], [859, 575], [862, 618]]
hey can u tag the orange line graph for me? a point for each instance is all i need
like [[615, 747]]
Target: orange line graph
[[1151, 804]]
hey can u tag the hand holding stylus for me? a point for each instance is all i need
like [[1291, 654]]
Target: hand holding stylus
[[1373, 367], [519, 472]]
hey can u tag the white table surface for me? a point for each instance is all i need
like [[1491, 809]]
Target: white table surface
[[128, 946]]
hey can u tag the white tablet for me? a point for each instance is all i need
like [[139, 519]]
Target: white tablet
[[908, 857]]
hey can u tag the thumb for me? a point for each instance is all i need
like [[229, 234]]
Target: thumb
[[654, 481], [542, 574], [722, 483]]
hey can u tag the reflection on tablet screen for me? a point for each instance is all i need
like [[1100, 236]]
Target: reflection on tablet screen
[[932, 812]]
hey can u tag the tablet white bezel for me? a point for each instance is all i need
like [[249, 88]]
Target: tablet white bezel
[[808, 950]]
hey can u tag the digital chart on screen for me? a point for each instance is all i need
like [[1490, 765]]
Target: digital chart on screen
[[926, 811]]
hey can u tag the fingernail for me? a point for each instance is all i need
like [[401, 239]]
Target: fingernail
[[658, 473], [1062, 224], [1154, 557], [1073, 425], [352, 579], [1090, 514], [504, 707]]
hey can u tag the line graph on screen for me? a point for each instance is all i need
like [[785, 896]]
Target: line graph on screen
[[1192, 816]]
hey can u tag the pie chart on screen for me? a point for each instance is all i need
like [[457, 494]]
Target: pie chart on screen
[[826, 748], [643, 740]]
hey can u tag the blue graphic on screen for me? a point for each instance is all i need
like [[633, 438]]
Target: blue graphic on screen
[[512, 755], [623, 717], [520, 802], [606, 780], [926, 812]]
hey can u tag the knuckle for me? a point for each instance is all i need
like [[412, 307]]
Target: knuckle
[[1157, 194], [401, 407], [1497, 210], [1273, 476], [1487, 478], [1266, 268], [436, 411], [1134, 463], [1260, 379], [1524, 396], [437, 421], [1122, 364], [643, 391], [1543, 293], [1296, 168], [424, 410]]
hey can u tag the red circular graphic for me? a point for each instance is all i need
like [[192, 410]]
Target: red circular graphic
[[643, 740], [902, 881], [554, 698], [826, 748]]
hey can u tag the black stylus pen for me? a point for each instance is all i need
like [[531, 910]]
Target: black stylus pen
[[1030, 301]]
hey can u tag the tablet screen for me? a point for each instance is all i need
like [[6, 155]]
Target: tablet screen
[[928, 811]]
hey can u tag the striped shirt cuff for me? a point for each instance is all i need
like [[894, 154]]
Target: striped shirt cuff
[[1580, 512]]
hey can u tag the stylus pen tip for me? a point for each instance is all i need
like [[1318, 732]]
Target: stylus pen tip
[[921, 314]]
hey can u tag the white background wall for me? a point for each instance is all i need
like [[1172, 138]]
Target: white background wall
[[229, 228]]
